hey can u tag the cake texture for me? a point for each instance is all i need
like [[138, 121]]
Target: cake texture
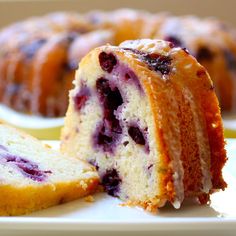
[[145, 114], [34, 177]]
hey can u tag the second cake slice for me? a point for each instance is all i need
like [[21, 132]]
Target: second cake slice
[[34, 177]]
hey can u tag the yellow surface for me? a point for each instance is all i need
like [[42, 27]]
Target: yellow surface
[[47, 133], [54, 133], [230, 133], [39, 127]]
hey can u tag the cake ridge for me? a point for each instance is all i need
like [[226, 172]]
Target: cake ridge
[[171, 110], [212, 43]]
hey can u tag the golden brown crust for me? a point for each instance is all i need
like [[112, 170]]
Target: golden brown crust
[[207, 111], [17, 201], [151, 205], [216, 138]]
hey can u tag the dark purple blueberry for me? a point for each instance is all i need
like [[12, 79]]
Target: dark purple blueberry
[[111, 182], [26, 167], [125, 143], [149, 170], [104, 140], [32, 171], [124, 72], [107, 61], [186, 50], [106, 136], [93, 163], [109, 130], [113, 100], [158, 62], [127, 76], [201, 73], [204, 53], [154, 61], [110, 98], [81, 97], [103, 87], [112, 124], [136, 134], [130, 76], [230, 60], [174, 40], [150, 166], [31, 48]]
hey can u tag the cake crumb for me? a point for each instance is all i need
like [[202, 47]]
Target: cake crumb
[[83, 184], [89, 198]]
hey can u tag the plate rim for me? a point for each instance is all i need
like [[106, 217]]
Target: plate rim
[[62, 224]]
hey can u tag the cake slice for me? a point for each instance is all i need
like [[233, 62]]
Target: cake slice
[[33, 176], [145, 114]]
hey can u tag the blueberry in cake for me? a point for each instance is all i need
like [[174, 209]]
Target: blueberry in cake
[[145, 114], [34, 177]]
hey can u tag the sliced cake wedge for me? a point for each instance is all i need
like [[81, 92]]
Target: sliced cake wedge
[[33, 176], [145, 114]]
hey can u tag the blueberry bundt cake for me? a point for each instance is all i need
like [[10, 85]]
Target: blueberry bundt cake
[[145, 114], [39, 56], [33, 176], [37, 61]]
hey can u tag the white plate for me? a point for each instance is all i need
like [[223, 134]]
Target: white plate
[[106, 217], [40, 127]]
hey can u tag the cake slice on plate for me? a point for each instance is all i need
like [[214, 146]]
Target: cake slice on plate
[[33, 176], [145, 114]]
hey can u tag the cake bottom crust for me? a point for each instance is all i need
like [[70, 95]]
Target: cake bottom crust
[[18, 201]]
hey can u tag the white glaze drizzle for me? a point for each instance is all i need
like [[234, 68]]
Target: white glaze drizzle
[[203, 143]]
